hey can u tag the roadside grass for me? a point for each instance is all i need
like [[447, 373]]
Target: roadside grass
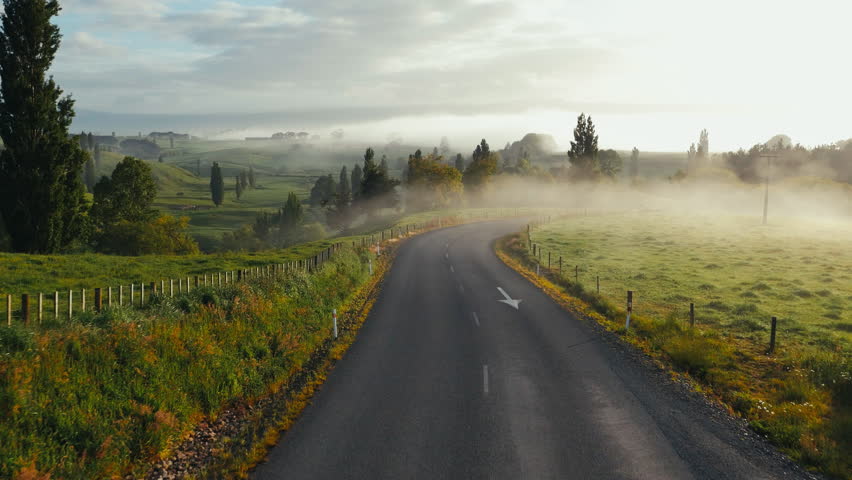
[[20, 273], [106, 395], [801, 396]]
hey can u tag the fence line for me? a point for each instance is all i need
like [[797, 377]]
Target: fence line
[[21, 310], [537, 253]]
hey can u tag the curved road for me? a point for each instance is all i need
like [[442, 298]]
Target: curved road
[[447, 382]]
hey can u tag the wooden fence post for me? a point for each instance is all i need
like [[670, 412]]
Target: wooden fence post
[[691, 314], [25, 308], [83, 300], [109, 297], [120, 295], [99, 304], [560, 264], [70, 304], [629, 309], [576, 274], [772, 335], [56, 306], [141, 294], [132, 293], [548, 260], [8, 310], [598, 282], [40, 307]]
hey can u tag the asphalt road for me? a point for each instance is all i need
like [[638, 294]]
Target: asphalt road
[[447, 382]]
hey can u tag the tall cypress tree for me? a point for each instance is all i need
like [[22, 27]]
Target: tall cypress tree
[[239, 188], [41, 194], [344, 189], [91, 141], [90, 176], [97, 155], [217, 184], [356, 181], [251, 176]]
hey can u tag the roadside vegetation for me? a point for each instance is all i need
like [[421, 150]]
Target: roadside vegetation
[[738, 275], [110, 393]]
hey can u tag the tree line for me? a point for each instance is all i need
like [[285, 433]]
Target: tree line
[[45, 171]]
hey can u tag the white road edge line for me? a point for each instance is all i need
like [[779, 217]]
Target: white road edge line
[[485, 379], [475, 319]]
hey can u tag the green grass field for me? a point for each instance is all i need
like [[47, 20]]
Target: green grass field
[[737, 272], [183, 193]]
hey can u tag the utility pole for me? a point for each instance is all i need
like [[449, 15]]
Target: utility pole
[[768, 158]]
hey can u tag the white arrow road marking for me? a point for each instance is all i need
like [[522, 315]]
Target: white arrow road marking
[[485, 379], [509, 301]]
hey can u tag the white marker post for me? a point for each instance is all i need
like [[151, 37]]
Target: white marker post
[[334, 314], [629, 308], [370, 264]]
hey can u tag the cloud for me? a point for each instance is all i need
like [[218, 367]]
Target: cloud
[[450, 56], [84, 44]]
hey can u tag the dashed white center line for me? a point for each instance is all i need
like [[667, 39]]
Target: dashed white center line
[[475, 319], [461, 288], [452, 269], [485, 379], [447, 256]]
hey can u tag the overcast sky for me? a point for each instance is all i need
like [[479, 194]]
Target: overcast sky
[[652, 73]]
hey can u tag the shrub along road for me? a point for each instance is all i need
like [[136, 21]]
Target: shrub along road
[[448, 381]]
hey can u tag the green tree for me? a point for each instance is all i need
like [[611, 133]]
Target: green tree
[[126, 196], [482, 166], [97, 155], [356, 181], [431, 183], [84, 141], [344, 188], [459, 162], [323, 191], [239, 188], [609, 163], [171, 141], [292, 214], [90, 176], [91, 141], [217, 184], [251, 179], [41, 193], [377, 188], [584, 150], [244, 180]]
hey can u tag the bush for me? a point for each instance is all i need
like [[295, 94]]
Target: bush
[[692, 353], [165, 236]]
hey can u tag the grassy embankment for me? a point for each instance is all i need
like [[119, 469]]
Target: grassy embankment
[[738, 274], [106, 395]]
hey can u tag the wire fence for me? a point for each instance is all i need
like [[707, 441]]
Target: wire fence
[[554, 265]]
